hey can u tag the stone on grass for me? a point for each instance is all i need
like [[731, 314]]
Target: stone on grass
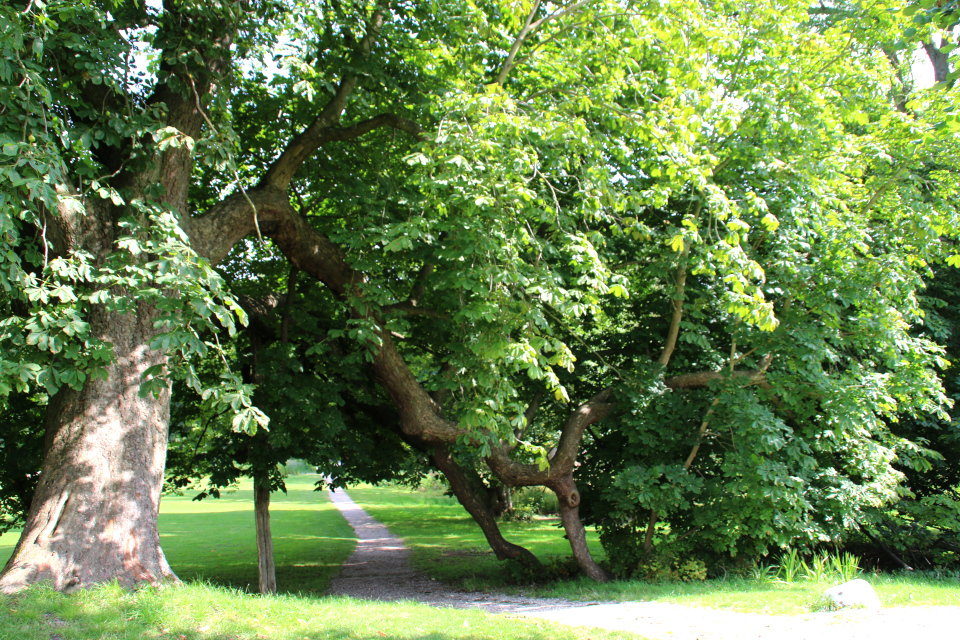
[[856, 593]]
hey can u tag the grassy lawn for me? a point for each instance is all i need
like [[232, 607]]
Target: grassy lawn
[[215, 539], [448, 546], [200, 612], [211, 546], [752, 596]]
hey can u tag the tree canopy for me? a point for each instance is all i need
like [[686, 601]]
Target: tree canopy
[[690, 237]]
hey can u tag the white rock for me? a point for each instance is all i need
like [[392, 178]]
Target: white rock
[[856, 593]]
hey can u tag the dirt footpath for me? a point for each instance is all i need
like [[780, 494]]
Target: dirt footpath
[[378, 570]]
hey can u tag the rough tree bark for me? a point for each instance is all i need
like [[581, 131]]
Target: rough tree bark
[[94, 513]]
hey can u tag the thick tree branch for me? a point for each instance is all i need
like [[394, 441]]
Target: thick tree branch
[[701, 379], [939, 59], [591, 412]]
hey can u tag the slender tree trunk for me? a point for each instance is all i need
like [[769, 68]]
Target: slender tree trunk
[[569, 499], [472, 498], [261, 509], [94, 513]]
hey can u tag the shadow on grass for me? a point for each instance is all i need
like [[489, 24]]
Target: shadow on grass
[[220, 547], [203, 612]]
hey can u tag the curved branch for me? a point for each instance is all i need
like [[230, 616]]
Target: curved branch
[[677, 315], [591, 412]]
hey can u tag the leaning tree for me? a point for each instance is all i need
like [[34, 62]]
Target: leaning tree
[[460, 177]]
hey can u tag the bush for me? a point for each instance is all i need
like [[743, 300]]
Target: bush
[[294, 467], [538, 500]]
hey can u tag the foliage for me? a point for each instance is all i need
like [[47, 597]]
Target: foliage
[[793, 439], [21, 449], [923, 525], [54, 143], [929, 17], [306, 395], [625, 195]]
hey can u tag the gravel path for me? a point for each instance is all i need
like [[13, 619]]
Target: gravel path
[[378, 570]]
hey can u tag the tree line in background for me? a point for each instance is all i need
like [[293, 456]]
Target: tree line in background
[[687, 265]]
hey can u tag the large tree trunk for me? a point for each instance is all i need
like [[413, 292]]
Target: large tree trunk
[[94, 513], [261, 509]]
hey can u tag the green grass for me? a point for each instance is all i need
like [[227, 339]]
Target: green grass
[[200, 612], [752, 596], [448, 545], [215, 539], [7, 542]]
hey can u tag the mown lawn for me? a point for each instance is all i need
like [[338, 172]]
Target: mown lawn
[[211, 546], [448, 546], [195, 611], [215, 539]]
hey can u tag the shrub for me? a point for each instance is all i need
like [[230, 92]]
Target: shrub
[[539, 500]]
